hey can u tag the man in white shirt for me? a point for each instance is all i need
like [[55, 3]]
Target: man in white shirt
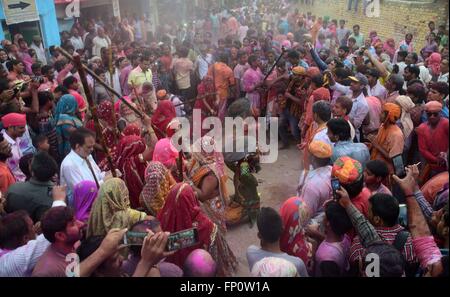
[[39, 49], [19, 261], [76, 40], [443, 77], [99, 42], [375, 88], [79, 165], [360, 108], [14, 125], [204, 60]]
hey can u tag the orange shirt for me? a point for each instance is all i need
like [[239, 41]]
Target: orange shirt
[[6, 178], [393, 144], [223, 77]]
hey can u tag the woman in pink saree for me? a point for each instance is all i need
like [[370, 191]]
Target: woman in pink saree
[[252, 80]]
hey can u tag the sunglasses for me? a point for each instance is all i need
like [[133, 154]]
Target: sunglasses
[[432, 114]]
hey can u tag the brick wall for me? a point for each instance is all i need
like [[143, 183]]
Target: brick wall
[[396, 17]]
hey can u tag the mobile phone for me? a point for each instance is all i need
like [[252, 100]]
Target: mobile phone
[[182, 239], [399, 166], [403, 216], [137, 238], [134, 238], [335, 186]]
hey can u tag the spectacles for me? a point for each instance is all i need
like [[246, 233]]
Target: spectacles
[[432, 114]]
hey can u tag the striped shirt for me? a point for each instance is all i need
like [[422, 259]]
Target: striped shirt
[[388, 235]]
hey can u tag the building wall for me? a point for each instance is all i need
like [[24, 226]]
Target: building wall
[[397, 17], [47, 22]]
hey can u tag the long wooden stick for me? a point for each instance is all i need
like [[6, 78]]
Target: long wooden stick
[[100, 81], [283, 50], [93, 108]]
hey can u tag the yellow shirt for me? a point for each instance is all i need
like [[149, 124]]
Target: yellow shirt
[[138, 77]]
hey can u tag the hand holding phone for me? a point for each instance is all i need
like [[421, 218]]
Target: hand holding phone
[[336, 186], [399, 166]]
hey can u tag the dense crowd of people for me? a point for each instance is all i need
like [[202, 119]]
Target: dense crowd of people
[[369, 118]]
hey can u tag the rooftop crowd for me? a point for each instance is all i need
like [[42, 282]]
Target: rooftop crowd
[[350, 101]]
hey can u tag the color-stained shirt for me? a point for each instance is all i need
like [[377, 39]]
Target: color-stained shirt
[[317, 190], [356, 151], [433, 141], [388, 235], [223, 78]]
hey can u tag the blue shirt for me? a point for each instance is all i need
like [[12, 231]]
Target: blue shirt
[[356, 151]]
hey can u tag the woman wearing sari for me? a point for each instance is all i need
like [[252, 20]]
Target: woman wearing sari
[[158, 182], [109, 131], [84, 195], [128, 116], [181, 211], [166, 153], [112, 209], [207, 173], [208, 104], [66, 121], [164, 114], [293, 239], [132, 161]]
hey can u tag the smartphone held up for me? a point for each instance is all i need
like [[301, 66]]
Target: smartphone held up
[[176, 241]]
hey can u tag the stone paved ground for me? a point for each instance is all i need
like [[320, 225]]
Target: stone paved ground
[[278, 182]]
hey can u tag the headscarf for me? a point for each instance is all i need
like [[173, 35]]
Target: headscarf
[[166, 153], [274, 267], [347, 170], [181, 211], [433, 106], [132, 165], [84, 195], [164, 114], [312, 71], [112, 209], [294, 215], [407, 105], [374, 37], [434, 63], [67, 105], [207, 158], [131, 129], [158, 182], [320, 149], [105, 112], [394, 111], [388, 48]]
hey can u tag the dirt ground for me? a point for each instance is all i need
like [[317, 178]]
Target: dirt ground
[[278, 182]]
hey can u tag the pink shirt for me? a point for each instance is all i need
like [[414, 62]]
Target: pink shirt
[[375, 110], [336, 252]]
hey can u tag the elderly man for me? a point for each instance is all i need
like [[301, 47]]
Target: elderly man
[[360, 108], [79, 165], [39, 49], [433, 140]]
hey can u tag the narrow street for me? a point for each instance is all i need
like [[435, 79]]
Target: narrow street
[[278, 182]]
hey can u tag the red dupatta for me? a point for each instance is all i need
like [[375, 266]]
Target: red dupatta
[[164, 114], [182, 211], [132, 165]]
